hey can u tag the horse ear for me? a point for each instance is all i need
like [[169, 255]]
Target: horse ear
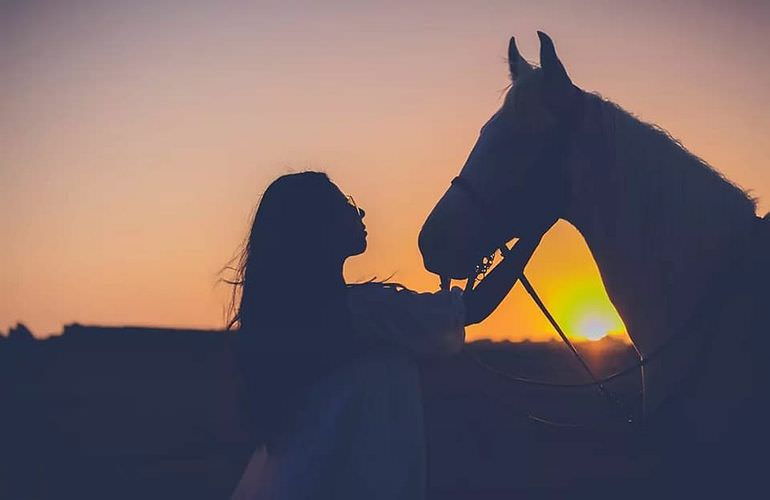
[[516, 64], [557, 86], [552, 67]]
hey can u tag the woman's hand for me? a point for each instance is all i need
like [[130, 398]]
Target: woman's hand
[[484, 299]]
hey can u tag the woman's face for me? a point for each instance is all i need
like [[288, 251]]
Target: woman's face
[[351, 228]]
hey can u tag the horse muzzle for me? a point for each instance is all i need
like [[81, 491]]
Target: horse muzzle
[[449, 252]]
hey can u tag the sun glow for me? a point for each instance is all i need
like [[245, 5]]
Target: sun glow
[[391, 114], [594, 327], [582, 306]]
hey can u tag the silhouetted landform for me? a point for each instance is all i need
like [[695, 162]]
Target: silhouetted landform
[[18, 333], [133, 412]]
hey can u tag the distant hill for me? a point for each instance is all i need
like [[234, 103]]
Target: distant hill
[[156, 413]]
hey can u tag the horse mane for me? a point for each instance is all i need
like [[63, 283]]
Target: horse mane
[[658, 219], [689, 168]]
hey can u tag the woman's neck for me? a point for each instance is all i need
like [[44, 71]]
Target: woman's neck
[[327, 275], [319, 284]]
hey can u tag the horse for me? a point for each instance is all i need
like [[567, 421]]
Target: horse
[[681, 251]]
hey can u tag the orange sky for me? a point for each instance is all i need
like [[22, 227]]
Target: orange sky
[[136, 138]]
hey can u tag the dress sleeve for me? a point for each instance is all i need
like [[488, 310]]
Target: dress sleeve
[[424, 323]]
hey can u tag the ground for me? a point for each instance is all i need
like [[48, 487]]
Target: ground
[[150, 413]]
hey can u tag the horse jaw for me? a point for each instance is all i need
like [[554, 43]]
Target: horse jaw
[[448, 238]]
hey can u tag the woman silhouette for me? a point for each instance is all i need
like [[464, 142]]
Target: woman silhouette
[[333, 388]]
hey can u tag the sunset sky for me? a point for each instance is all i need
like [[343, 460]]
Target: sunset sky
[[136, 137]]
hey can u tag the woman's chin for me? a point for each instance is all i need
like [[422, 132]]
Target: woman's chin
[[360, 248]]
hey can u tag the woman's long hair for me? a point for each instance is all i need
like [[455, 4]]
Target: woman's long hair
[[292, 317], [286, 249]]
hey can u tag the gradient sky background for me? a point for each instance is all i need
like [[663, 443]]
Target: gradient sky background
[[136, 137]]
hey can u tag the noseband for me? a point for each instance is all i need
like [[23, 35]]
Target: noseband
[[486, 262]]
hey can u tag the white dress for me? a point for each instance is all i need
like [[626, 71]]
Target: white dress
[[360, 434]]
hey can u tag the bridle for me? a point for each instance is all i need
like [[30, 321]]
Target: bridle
[[555, 150], [480, 270], [559, 148]]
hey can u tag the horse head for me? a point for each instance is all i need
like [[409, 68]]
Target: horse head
[[514, 178]]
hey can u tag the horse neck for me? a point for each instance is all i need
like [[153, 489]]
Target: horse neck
[[658, 221]]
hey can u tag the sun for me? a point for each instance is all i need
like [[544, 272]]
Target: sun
[[582, 306], [594, 327]]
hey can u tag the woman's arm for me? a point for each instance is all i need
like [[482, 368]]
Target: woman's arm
[[482, 300], [425, 324]]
